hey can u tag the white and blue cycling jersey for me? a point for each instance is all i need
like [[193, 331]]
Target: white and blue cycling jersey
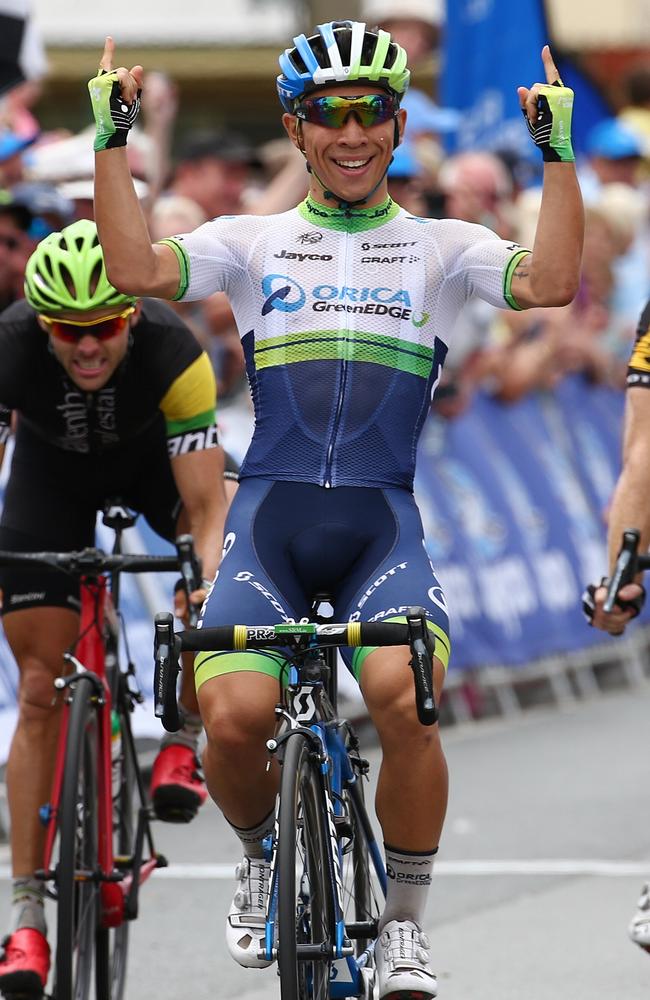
[[345, 320]]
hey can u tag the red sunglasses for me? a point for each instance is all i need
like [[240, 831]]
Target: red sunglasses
[[72, 331]]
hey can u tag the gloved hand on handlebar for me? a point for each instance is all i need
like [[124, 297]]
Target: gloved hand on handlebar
[[629, 604]]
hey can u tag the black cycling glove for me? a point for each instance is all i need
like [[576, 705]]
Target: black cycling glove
[[589, 604]]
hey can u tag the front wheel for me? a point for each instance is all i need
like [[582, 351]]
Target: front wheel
[[306, 893], [76, 885], [112, 943]]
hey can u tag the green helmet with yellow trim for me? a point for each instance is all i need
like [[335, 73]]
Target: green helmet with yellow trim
[[67, 272]]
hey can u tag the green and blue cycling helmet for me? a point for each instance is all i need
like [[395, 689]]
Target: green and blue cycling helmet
[[341, 52], [67, 272]]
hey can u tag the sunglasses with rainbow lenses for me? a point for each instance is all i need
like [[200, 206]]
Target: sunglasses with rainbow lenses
[[333, 112], [72, 331]]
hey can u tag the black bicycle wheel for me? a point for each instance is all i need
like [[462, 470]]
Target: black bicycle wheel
[[77, 889], [112, 943], [305, 898]]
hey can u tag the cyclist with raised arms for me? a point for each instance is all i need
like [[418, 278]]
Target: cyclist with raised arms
[[113, 398], [344, 306]]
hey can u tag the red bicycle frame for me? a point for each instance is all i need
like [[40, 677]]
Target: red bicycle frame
[[98, 621]]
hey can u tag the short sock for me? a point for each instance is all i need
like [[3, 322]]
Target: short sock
[[28, 905], [189, 733], [409, 879], [252, 837]]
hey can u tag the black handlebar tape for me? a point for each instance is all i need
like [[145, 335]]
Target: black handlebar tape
[[143, 564], [240, 637], [91, 561], [625, 569], [383, 634]]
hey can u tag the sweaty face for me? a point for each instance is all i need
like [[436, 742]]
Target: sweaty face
[[349, 160], [90, 362]]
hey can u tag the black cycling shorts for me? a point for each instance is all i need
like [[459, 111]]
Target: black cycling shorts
[[52, 499]]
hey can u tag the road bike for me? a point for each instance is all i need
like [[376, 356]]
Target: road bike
[[328, 877], [99, 847]]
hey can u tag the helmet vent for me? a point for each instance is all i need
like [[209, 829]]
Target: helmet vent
[[68, 280], [95, 277]]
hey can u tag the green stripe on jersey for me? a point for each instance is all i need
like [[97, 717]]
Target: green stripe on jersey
[[341, 345], [507, 278], [349, 222], [199, 421], [183, 263]]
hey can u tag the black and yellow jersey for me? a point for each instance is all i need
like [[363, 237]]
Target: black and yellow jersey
[[638, 372], [165, 377]]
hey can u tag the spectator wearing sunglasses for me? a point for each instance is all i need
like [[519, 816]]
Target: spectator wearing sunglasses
[[112, 396], [345, 306]]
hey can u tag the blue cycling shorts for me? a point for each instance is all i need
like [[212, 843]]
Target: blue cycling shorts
[[288, 542]]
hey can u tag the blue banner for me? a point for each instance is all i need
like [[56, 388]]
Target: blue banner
[[489, 49], [513, 499]]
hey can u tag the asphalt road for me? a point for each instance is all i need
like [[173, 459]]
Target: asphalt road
[[545, 848]]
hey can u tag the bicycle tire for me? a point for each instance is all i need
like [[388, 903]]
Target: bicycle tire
[[112, 943], [305, 907], [77, 898], [366, 896]]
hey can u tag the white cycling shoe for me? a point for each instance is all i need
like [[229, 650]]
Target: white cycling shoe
[[247, 914], [639, 927], [402, 963]]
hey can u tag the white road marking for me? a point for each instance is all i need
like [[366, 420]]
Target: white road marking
[[525, 867]]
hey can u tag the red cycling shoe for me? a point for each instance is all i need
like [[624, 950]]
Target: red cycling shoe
[[25, 963], [177, 785]]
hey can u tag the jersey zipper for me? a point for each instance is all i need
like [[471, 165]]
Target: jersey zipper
[[329, 454]]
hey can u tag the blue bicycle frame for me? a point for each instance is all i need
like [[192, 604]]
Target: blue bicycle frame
[[339, 776]]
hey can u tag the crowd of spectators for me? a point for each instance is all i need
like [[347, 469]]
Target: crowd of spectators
[[46, 182]]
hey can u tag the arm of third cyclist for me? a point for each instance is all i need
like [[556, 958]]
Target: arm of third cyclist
[[133, 264], [630, 505]]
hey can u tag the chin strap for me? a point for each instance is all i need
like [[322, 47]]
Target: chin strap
[[343, 204]]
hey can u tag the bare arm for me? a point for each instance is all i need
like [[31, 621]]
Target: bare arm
[[550, 275], [133, 264], [199, 478], [631, 504]]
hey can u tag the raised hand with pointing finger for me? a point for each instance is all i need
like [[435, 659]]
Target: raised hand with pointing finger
[[115, 99], [547, 109]]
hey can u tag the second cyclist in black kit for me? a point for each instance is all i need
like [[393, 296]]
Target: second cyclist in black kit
[[111, 396]]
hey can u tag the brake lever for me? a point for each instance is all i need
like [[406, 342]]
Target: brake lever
[[422, 665], [625, 570], [166, 669], [190, 567]]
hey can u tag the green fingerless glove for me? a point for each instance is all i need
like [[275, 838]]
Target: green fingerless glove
[[552, 130], [113, 116]]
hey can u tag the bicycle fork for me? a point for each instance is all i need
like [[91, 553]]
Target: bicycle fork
[[341, 947], [118, 889]]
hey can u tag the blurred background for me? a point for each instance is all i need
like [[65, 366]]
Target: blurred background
[[521, 450]]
